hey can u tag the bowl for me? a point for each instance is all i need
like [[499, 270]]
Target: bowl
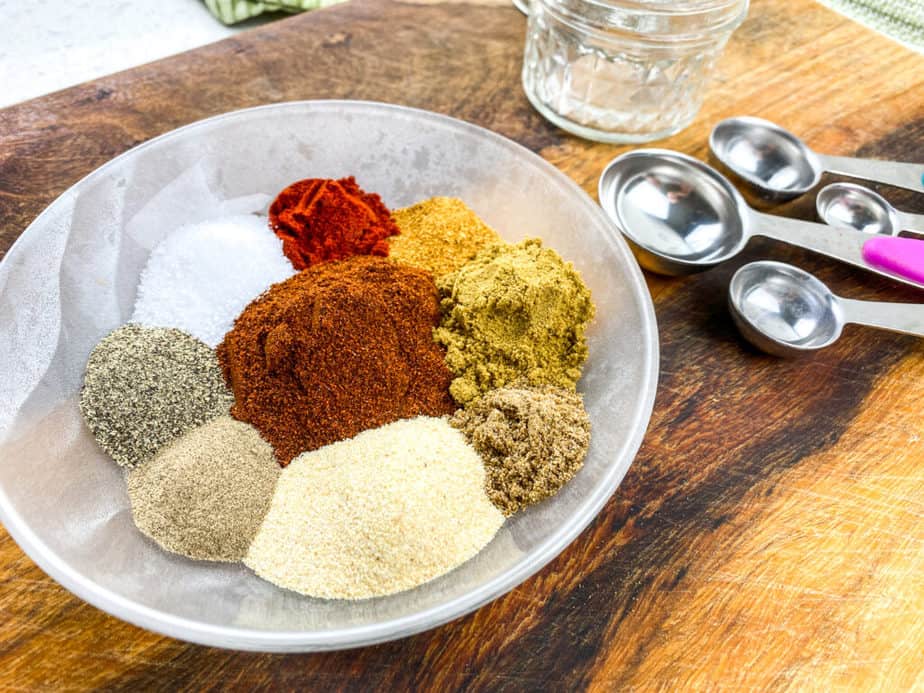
[[71, 278]]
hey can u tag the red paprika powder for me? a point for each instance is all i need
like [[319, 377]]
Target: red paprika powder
[[334, 350], [320, 219]]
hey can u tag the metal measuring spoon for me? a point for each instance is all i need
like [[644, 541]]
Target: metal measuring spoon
[[786, 311], [780, 166], [848, 204], [682, 216]]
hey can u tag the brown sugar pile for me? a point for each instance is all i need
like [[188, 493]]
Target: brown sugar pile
[[334, 350], [440, 235], [320, 219], [533, 440]]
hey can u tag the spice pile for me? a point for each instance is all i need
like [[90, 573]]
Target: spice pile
[[350, 401], [532, 440], [385, 511], [201, 276], [338, 348], [319, 220], [515, 311], [440, 235]]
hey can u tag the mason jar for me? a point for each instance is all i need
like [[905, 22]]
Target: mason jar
[[624, 70]]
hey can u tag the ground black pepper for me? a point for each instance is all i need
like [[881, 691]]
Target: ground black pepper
[[146, 386]]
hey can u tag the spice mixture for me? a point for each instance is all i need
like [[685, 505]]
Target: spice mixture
[[319, 219], [533, 440], [200, 277], [515, 311], [440, 235], [383, 512], [145, 386], [336, 349], [205, 494], [341, 475]]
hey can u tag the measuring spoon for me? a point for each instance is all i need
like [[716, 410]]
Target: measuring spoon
[[786, 311], [848, 204], [780, 166], [682, 216]]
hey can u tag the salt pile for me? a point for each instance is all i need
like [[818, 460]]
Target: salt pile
[[201, 276]]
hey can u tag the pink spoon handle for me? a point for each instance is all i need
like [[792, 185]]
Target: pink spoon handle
[[901, 256], [901, 259]]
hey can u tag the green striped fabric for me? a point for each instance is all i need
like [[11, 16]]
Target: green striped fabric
[[233, 11], [900, 19]]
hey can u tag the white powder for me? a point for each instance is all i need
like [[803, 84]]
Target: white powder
[[201, 276], [379, 513]]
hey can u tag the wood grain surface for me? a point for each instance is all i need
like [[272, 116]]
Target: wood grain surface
[[769, 534]]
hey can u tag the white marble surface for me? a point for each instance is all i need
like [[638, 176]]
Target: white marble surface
[[46, 45]]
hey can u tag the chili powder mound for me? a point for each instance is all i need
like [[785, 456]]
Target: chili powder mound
[[320, 219], [336, 349]]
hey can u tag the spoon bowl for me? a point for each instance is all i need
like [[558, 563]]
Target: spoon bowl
[[772, 160], [779, 166], [679, 215], [784, 310], [848, 204]]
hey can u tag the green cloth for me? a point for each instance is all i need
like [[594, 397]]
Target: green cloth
[[233, 11], [901, 19]]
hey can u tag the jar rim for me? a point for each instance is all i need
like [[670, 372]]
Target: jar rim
[[722, 16], [669, 7]]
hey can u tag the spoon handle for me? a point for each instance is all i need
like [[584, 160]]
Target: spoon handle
[[907, 318], [899, 173], [901, 259], [911, 222], [900, 256]]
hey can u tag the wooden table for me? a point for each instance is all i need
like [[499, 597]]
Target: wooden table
[[769, 533]]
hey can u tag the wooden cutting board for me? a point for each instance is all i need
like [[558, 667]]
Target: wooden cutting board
[[769, 534]]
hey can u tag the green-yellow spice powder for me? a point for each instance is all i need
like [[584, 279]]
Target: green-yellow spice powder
[[513, 312]]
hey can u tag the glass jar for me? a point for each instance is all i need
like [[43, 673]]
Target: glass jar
[[624, 70]]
